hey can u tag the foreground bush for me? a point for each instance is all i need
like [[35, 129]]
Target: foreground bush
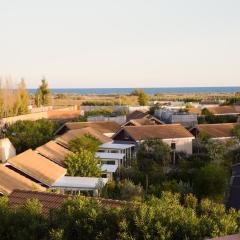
[[168, 217]]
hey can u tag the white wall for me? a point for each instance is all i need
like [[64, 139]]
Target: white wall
[[182, 144], [7, 150]]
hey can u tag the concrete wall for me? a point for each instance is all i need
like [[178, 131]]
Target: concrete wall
[[7, 150], [119, 119], [34, 116]]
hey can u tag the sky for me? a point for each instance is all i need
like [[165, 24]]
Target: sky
[[121, 43]]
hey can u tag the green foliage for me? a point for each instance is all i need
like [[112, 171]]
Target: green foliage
[[23, 99], [124, 190], [153, 153], [83, 164], [143, 99], [154, 108], [211, 181], [217, 119], [206, 112], [168, 217], [107, 112], [100, 103], [31, 134], [236, 131], [153, 156], [86, 142], [203, 136], [216, 150], [43, 94]]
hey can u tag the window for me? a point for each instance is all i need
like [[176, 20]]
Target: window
[[173, 145]]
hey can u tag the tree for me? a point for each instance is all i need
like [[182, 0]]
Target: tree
[[142, 99], [211, 181], [153, 155], [236, 131], [83, 164], [124, 190], [216, 150], [31, 134], [23, 98], [43, 94], [86, 142]]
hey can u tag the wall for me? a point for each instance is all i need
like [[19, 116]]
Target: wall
[[7, 150], [182, 144]]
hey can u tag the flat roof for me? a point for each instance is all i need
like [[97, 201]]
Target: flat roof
[[105, 155], [116, 145], [109, 168], [80, 182], [37, 167]]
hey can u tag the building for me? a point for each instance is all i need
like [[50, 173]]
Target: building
[[10, 180], [175, 135], [65, 138], [146, 120], [137, 114], [105, 128], [54, 152], [37, 167], [169, 116], [123, 148], [224, 110], [7, 150], [76, 185], [219, 131], [110, 158]]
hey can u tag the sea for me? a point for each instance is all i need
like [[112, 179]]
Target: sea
[[108, 91]]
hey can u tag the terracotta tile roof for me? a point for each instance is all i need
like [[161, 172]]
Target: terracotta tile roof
[[143, 121], [194, 110], [38, 167], [53, 151], [72, 134], [137, 114], [166, 131], [103, 127], [10, 180], [217, 130], [224, 110], [52, 200], [63, 114]]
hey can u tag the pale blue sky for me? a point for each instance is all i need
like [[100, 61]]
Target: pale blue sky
[[121, 43]]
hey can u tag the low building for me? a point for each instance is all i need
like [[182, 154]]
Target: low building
[[54, 152], [147, 120], [137, 114], [37, 167], [110, 158], [175, 135], [123, 148], [76, 185], [219, 131], [10, 180], [108, 171], [106, 128], [72, 134], [224, 110], [169, 116]]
